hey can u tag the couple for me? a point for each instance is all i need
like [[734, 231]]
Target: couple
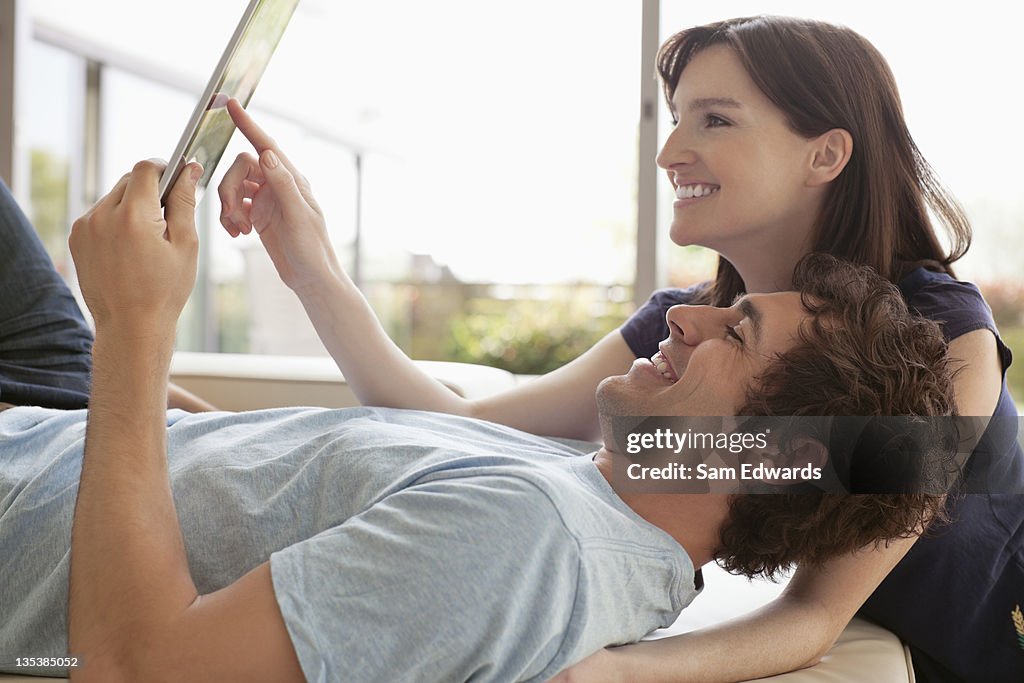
[[469, 506], [381, 544]]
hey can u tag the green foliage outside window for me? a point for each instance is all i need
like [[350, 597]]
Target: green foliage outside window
[[49, 208], [527, 337]]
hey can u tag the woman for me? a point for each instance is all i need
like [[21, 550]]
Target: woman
[[789, 139]]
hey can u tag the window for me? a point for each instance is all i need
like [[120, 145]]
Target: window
[[476, 162], [54, 146], [482, 154]]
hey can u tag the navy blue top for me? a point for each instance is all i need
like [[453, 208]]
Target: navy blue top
[[953, 597]]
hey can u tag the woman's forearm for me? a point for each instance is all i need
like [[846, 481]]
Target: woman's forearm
[[736, 650], [378, 372]]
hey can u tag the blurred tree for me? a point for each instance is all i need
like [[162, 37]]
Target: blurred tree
[[49, 204], [527, 337]]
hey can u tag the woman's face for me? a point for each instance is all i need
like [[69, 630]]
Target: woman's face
[[733, 146]]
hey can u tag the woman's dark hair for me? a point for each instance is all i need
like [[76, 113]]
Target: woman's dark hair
[[861, 354], [823, 77]]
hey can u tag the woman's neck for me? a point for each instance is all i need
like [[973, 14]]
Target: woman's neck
[[760, 278], [766, 268]]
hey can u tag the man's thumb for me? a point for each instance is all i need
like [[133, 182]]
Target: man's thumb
[[180, 211]]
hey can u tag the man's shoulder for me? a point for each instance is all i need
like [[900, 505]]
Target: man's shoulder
[[514, 493]]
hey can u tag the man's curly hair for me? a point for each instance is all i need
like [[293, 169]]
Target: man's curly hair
[[862, 353]]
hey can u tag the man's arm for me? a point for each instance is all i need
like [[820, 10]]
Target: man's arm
[[134, 612]]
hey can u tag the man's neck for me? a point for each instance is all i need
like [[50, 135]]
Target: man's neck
[[692, 519]]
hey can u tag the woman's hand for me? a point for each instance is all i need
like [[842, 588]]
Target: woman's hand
[[604, 666], [269, 195]]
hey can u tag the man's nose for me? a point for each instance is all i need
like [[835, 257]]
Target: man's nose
[[691, 324]]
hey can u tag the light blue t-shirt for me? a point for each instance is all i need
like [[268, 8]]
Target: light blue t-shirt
[[404, 546]]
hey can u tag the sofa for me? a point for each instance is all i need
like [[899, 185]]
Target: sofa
[[864, 651]]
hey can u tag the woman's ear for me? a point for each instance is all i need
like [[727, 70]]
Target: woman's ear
[[830, 153]]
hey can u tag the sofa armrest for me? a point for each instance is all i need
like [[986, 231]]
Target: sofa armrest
[[234, 381]]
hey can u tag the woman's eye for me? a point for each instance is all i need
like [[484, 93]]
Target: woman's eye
[[731, 332], [715, 121]]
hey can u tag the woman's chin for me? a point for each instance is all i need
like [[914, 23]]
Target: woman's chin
[[680, 237], [684, 235]]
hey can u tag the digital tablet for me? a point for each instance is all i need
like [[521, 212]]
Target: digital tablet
[[240, 68]]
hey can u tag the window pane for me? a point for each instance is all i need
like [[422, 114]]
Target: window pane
[[503, 144], [53, 129], [256, 312], [498, 144]]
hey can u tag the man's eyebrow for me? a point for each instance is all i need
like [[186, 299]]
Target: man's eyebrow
[[711, 102], [748, 309]]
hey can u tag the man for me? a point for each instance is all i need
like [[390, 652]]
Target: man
[[306, 544]]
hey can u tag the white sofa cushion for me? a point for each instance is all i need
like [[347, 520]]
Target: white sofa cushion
[[233, 381]]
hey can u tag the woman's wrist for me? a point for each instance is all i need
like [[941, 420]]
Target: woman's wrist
[[330, 287]]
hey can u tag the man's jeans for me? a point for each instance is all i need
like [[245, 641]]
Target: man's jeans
[[45, 343]]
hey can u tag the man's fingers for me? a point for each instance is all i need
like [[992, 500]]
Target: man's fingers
[[180, 210], [116, 194], [144, 181]]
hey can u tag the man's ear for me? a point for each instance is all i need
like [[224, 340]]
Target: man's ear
[[830, 152], [804, 450]]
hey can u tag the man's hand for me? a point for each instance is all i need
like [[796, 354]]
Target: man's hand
[[269, 194], [137, 263]]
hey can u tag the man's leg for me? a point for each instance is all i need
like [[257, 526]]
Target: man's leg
[[45, 343]]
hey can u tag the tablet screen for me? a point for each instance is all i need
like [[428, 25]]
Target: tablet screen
[[240, 69]]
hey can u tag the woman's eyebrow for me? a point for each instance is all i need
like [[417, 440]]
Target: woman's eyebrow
[[711, 102]]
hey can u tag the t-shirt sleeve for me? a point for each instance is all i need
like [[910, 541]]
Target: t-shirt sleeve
[[646, 328], [448, 580], [958, 307]]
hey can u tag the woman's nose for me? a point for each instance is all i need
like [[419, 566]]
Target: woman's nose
[[675, 151]]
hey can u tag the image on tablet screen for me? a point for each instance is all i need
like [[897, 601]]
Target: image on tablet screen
[[243, 71]]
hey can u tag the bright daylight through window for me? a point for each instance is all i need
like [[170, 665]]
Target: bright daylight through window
[[477, 162]]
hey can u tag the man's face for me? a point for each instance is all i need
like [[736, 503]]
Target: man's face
[[710, 359]]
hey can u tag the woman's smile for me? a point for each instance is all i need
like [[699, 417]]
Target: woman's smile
[[693, 192]]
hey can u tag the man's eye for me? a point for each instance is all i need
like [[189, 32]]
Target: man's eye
[[731, 332], [715, 121]]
